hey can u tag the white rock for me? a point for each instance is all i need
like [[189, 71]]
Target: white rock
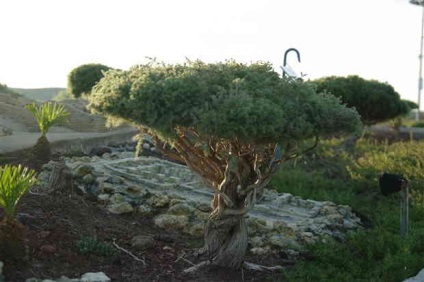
[[260, 251], [146, 146], [104, 198], [117, 198], [418, 278], [95, 277], [144, 210]]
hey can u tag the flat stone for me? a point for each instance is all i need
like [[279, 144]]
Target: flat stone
[[120, 208], [284, 242], [116, 199], [95, 277], [171, 221], [259, 251], [142, 243], [103, 198], [144, 210], [181, 209]]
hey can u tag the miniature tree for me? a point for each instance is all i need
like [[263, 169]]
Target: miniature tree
[[47, 115], [231, 123]]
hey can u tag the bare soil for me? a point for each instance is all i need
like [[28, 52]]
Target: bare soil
[[55, 223]]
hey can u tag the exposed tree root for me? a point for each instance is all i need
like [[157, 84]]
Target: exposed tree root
[[258, 267], [246, 265]]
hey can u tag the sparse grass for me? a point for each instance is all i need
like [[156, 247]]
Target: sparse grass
[[91, 245], [374, 254]]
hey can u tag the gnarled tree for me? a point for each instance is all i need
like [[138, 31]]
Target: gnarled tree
[[231, 123]]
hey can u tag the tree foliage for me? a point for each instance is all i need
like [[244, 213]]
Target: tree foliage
[[375, 101], [84, 77], [250, 103]]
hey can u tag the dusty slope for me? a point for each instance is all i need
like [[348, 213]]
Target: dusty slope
[[14, 116]]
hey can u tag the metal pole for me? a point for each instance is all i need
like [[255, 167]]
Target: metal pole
[[420, 79], [404, 210]]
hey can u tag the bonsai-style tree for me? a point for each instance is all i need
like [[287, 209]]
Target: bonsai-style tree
[[231, 123], [14, 183], [81, 79], [47, 115], [375, 101]]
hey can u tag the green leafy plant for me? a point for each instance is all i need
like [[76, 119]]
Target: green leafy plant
[[14, 183], [90, 245], [47, 115]]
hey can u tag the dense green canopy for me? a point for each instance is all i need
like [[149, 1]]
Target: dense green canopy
[[375, 101], [233, 101], [81, 79]]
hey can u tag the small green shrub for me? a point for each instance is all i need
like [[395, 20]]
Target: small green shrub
[[377, 253], [47, 115], [90, 245], [418, 124], [14, 183]]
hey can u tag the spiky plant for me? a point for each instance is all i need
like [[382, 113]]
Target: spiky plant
[[14, 183], [47, 115]]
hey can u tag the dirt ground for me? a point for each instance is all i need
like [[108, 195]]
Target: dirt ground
[[55, 223]]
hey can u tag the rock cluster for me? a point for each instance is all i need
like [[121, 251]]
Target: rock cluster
[[88, 277], [177, 199]]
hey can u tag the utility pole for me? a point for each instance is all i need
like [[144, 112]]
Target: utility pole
[[420, 79]]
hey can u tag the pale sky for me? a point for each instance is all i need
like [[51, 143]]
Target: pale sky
[[43, 40]]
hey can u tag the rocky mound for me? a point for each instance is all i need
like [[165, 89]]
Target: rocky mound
[[179, 200]]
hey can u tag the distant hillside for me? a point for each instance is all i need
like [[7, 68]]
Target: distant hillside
[[39, 94]]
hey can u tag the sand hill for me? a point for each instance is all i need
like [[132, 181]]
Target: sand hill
[[15, 118]]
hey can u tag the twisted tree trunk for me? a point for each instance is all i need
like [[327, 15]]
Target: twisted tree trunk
[[226, 241], [60, 178], [237, 173]]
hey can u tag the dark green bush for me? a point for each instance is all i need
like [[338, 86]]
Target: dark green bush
[[375, 101], [418, 124], [84, 77]]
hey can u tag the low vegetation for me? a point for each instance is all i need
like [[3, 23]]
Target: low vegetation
[[377, 253], [14, 183]]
